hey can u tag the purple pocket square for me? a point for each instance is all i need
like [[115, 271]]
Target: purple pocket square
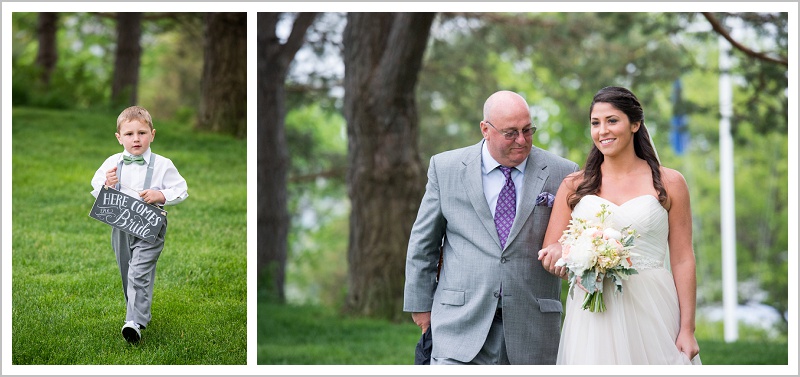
[[545, 199]]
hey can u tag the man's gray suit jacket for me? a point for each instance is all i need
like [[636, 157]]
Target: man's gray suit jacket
[[464, 300]]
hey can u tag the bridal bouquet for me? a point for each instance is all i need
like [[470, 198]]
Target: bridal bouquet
[[592, 251]]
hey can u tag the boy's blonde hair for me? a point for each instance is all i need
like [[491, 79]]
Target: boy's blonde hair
[[135, 113]]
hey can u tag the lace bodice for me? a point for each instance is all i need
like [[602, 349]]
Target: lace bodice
[[646, 215]]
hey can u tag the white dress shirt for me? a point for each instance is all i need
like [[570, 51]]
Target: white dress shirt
[[165, 177]]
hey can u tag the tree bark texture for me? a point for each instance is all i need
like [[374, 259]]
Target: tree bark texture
[[273, 154], [47, 54], [223, 104], [386, 179], [125, 83]]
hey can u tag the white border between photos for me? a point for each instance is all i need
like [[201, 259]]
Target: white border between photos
[[252, 350]]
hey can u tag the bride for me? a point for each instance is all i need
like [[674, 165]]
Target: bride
[[653, 320]]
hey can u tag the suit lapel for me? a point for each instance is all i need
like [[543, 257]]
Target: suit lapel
[[472, 176], [536, 173]]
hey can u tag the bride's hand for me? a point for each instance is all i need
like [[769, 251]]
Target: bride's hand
[[549, 256], [687, 344]]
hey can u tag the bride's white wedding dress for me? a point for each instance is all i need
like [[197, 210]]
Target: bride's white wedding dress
[[640, 325]]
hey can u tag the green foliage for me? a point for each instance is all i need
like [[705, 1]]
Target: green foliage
[[317, 262], [557, 61], [170, 70], [67, 304], [319, 136], [761, 194], [765, 82], [81, 78], [761, 163], [172, 66]]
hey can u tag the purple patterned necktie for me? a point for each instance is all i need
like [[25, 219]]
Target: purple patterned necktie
[[506, 207]]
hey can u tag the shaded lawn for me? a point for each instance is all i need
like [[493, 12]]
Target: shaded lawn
[[315, 335]]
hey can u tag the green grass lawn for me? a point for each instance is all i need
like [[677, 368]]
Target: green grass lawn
[[67, 301], [313, 335], [306, 335]]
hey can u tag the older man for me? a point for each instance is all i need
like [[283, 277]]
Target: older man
[[487, 206]]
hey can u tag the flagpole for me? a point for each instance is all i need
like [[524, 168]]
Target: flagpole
[[727, 202]]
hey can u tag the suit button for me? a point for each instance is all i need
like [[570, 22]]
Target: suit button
[[503, 260], [496, 294]]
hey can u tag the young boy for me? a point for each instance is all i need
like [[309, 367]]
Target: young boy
[[128, 172]]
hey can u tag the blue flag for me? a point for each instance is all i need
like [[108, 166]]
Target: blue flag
[[679, 133]]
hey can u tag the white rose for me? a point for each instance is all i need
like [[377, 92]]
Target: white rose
[[581, 256], [612, 233]]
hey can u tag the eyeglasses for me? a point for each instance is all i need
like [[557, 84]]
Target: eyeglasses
[[526, 132]]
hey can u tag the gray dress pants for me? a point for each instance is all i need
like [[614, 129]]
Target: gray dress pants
[[137, 259]]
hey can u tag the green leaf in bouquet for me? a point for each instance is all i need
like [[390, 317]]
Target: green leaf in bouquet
[[589, 281]]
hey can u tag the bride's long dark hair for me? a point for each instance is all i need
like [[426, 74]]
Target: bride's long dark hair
[[625, 101]]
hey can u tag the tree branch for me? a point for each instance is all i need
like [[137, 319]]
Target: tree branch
[[295, 40], [717, 26], [401, 60]]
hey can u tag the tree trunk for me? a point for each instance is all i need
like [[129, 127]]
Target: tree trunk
[[124, 85], [383, 55], [273, 154], [223, 107], [47, 55]]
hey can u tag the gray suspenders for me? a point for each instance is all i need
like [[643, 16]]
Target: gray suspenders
[[147, 178]]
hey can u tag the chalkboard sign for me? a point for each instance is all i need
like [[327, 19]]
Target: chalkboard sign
[[128, 214]]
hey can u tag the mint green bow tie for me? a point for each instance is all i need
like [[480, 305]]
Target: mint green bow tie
[[135, 159]]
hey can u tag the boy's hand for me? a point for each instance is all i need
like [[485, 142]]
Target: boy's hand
[[111, 177], [153, 197]]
